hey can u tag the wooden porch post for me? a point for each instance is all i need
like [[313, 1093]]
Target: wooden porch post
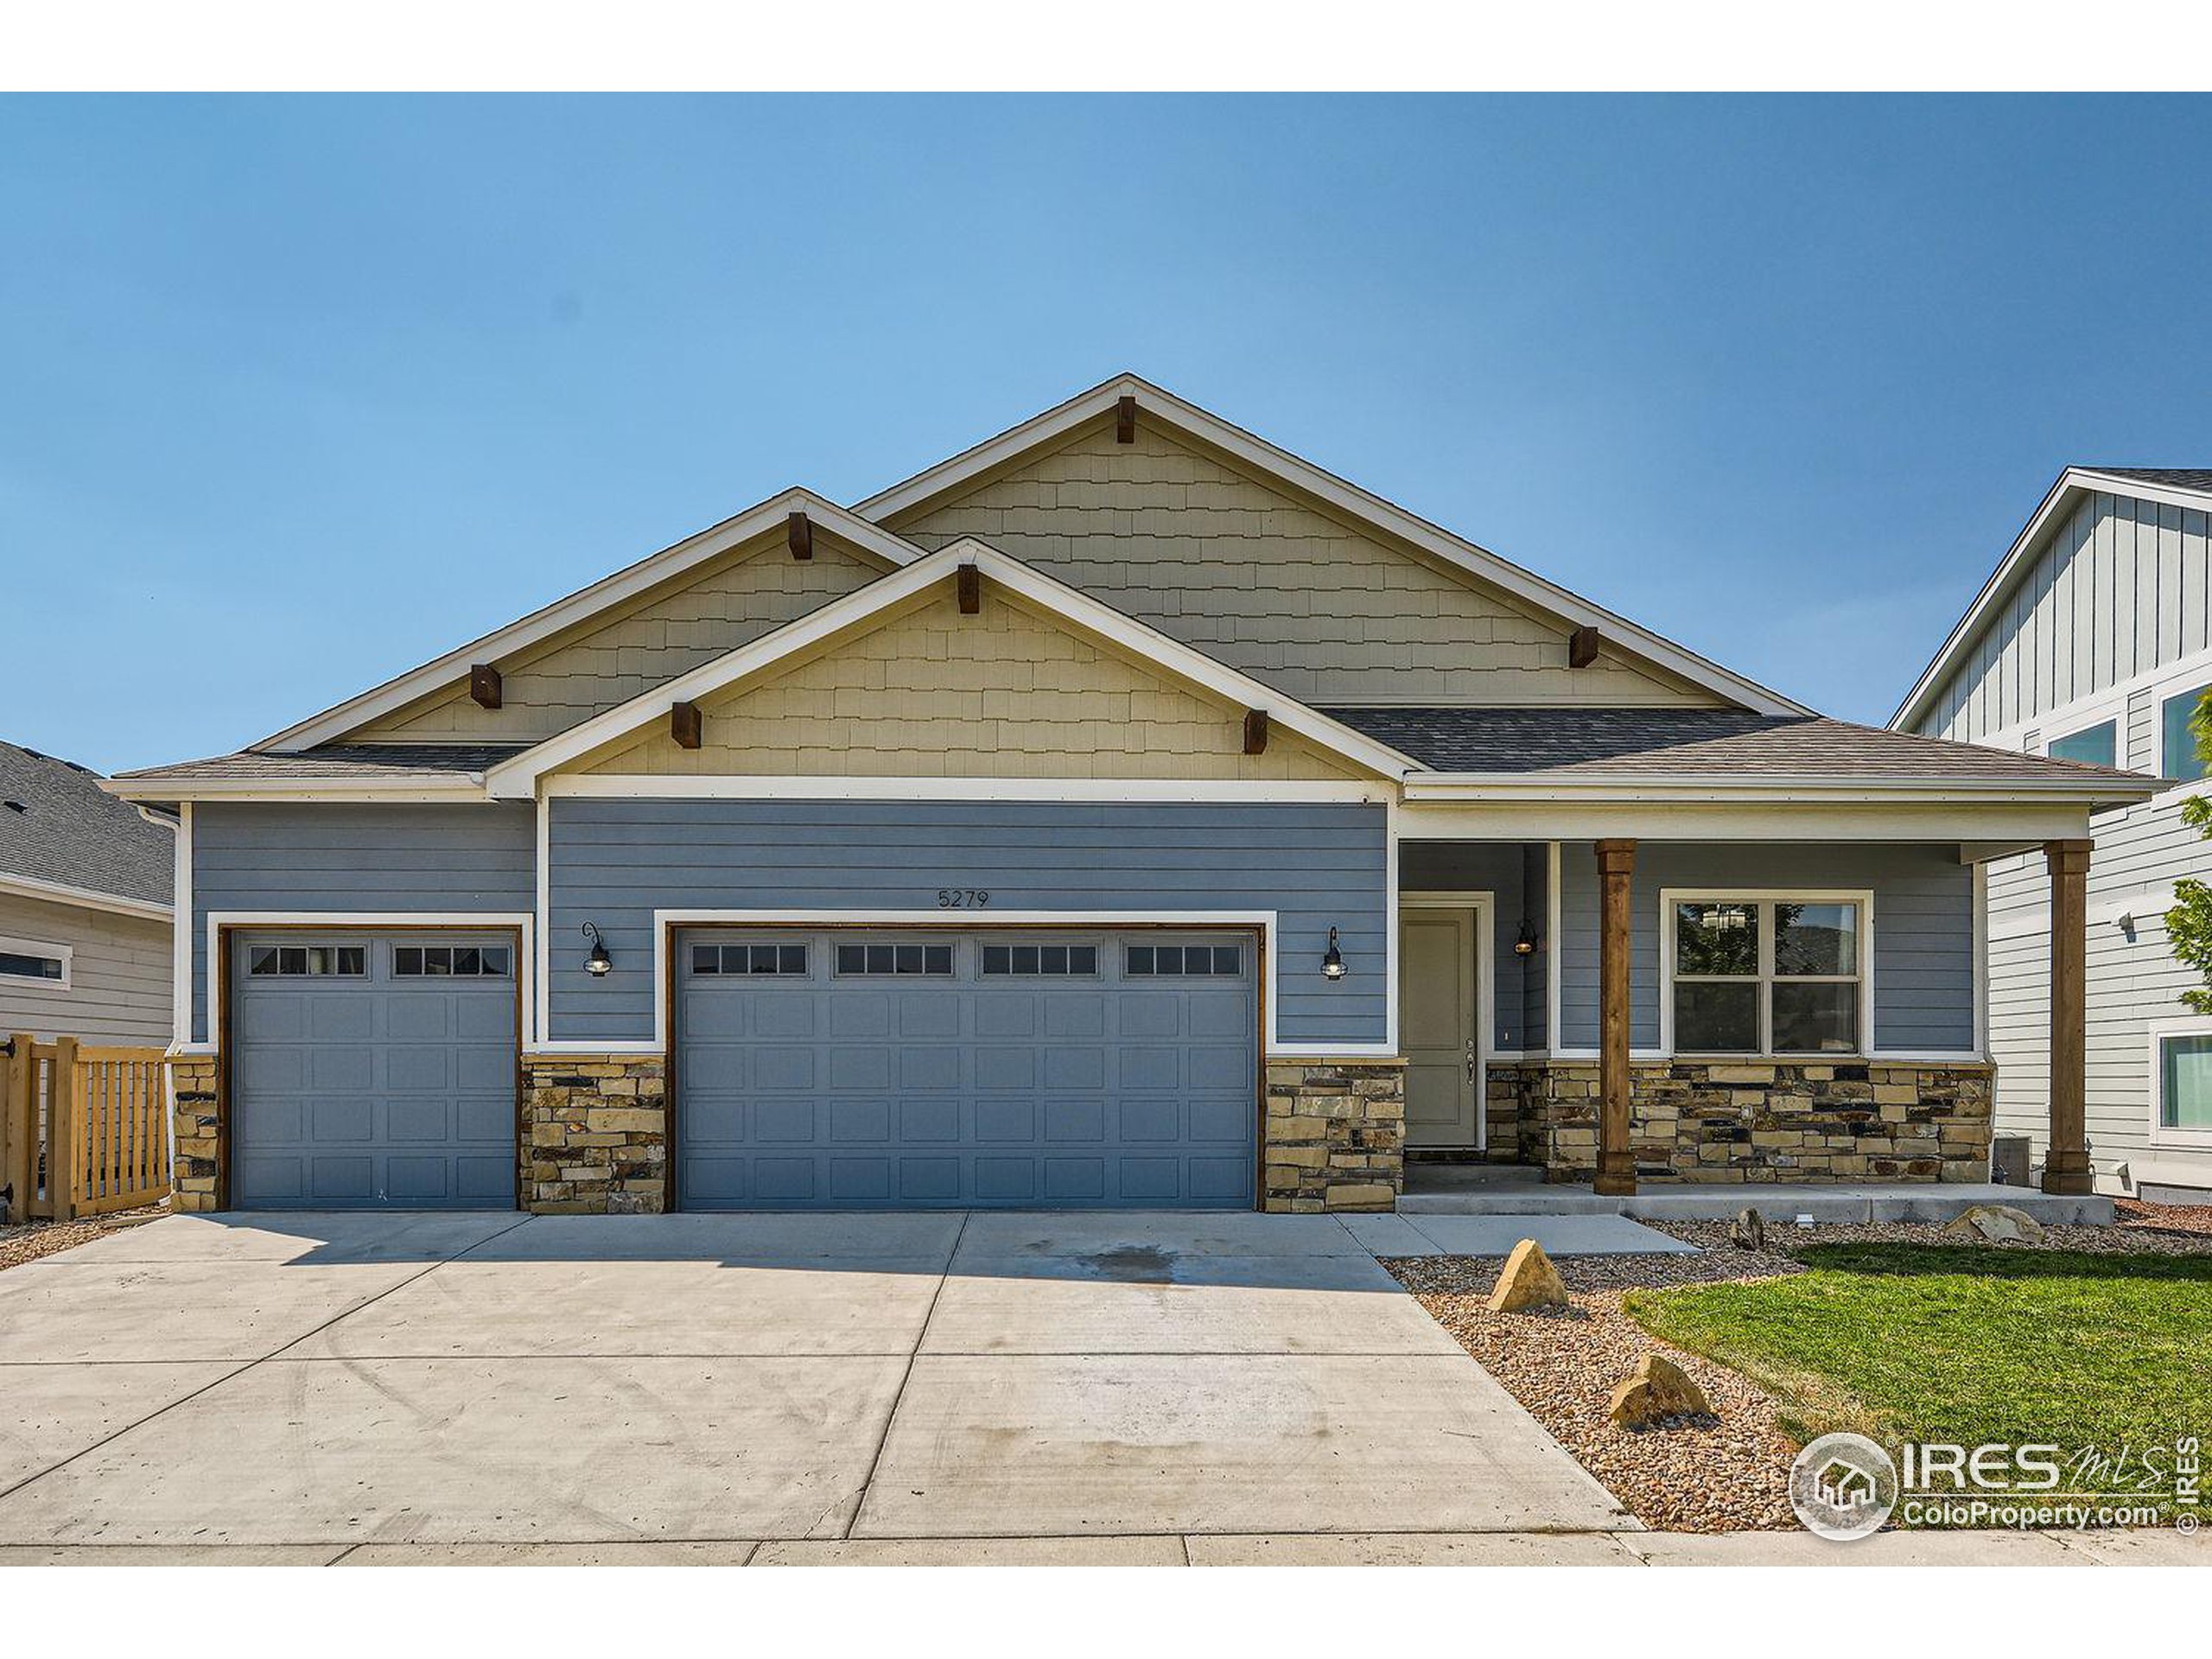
[[1616, 1162], [2066, 1165]]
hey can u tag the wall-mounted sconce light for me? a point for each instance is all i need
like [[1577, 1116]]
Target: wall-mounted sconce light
[[2126, 924], [1332, 961], [598, 964], [1524, 942]]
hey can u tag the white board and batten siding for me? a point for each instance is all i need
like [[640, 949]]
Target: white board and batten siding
[[118, 987], [2111, 618]]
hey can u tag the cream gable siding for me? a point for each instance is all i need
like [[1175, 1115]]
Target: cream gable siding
[[591, 669], [1007, 693], [1273, 586]]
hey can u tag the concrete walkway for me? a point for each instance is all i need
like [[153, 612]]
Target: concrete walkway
[[310, 1384]]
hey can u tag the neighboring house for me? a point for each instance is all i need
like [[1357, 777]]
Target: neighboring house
[[1122, 812], [85, 921], [2093, 641]]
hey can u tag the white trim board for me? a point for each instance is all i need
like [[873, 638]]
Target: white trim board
[[1249, 450], [664, 921], [765, 787], [56, 893], [760, 519], [518, 778], [338, 920], [2026, 547]]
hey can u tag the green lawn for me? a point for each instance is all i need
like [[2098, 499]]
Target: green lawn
[[1970, 1344]]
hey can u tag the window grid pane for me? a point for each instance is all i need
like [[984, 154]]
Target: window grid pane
[[899, 961]]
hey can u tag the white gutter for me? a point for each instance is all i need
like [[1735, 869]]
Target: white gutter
[[56, 893]]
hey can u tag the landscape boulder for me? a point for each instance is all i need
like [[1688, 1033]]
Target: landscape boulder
[[1995, 1223], [1530, 1280], [1655, 1391], [1748, 1230]]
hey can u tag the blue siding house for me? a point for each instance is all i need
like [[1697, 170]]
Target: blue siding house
[[1122, 812]]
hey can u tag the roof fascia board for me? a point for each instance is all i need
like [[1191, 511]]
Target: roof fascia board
[[2057, 503], [586, 602], [58, 893], [1341, 494], [1779, 788], [517, 778], [152, 789]]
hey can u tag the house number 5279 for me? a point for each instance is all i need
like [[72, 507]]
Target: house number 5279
[[963, 897]]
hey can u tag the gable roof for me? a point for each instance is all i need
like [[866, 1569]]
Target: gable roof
[[1044, 431], [517, 777], [2182, 486], [64, 838], [420, 770], [1721, 749], [586, 602]]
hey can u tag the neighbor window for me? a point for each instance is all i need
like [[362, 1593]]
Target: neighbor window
[[1043, 959], [2098, 745], [2177, 756], [307, 961], [47, 963], [2185, 1083], [1766, 975], [901, 960], [449, 961]]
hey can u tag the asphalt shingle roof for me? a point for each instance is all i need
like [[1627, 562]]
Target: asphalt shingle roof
[[58, 825], [383, 763], [1596, 743], [2183, 477]]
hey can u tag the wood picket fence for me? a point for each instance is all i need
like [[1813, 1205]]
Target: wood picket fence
[[83, 1130]]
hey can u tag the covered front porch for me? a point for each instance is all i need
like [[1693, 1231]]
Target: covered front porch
[[1697, 1022]]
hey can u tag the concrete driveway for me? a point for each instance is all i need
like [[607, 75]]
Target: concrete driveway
[[295, 1386]]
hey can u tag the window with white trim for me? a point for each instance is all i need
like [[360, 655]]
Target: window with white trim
[[2181, 1088], [2177, 756], [2097, 745], [42, 964], [1768, 974]]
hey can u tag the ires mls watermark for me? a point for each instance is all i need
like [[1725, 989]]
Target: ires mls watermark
[[1845, 1486]]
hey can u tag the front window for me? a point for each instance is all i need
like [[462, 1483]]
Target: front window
[[2185, 1083], [2177, 756], [2097, 745], [1767, 975], [23, 959]]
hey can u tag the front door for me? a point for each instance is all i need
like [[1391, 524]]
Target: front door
[[1437, 1012]]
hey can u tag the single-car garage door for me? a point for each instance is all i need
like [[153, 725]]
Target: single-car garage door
[[897, 1069], [373, 1070]]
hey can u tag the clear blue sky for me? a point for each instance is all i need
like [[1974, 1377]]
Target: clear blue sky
[[298, 393]]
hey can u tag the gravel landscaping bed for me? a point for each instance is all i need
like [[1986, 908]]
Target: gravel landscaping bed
[[38, 1238], [1729, 1475]]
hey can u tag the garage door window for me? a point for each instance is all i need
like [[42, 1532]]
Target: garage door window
[[1184, 961], [902, 961], [309, 960], [449, 961], [1060, 961], [789, 959]]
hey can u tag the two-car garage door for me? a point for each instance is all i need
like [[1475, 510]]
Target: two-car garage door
[[898, 1069]]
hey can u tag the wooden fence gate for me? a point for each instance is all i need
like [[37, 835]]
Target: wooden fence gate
[[83, 1131]]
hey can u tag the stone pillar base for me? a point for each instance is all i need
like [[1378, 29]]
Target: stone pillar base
[[595, 1134], [196, 1172], [1335, 1136]]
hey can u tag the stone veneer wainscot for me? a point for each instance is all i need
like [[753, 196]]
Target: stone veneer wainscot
[[1755, 1120], [1336, 1135], [195, 1100]]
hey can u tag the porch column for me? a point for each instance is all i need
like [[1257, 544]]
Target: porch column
[[2066, 1165], [1616, 1162]]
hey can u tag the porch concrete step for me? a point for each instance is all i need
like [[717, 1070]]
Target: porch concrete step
[[1914, 1202]]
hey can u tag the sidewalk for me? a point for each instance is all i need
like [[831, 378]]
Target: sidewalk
[[2160, 1548]]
